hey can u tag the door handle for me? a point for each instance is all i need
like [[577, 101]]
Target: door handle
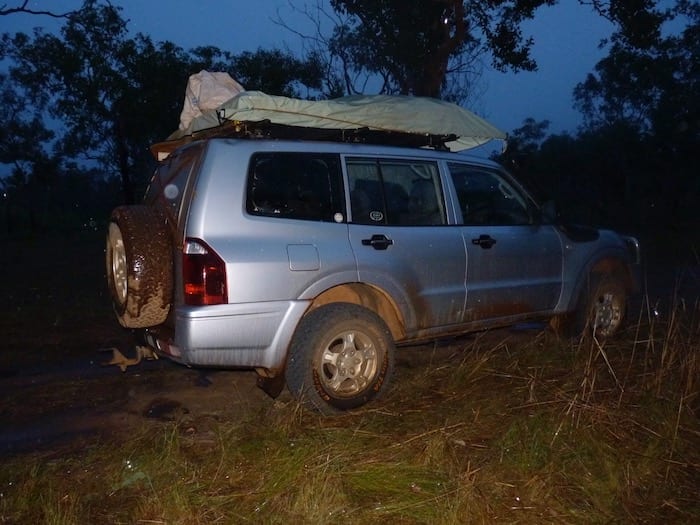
[[378, 242], [485, 241]]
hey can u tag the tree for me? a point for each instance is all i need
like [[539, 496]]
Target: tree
[[274, 71], [652, 90], [436, 48], [23, 7], [420, 47], [639, 21], [81, 79], [23, 133], [115, 95]]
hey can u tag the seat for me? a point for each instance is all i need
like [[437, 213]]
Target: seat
[[423, 206]]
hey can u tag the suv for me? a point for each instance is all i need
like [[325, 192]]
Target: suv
[[310, 261]]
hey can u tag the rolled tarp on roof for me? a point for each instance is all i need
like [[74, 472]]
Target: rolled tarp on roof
[[389, 113]]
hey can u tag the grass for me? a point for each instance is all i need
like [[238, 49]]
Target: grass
[[494, 429], [501, 427]]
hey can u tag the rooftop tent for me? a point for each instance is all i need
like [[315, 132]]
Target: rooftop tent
[[384, 119]]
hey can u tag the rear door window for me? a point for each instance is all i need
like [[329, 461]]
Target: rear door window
[[395, 192]]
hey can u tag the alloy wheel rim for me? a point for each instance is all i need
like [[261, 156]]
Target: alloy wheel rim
[[118, 263], [349, 363]]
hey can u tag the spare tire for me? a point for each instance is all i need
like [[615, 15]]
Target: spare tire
[[139, 257]]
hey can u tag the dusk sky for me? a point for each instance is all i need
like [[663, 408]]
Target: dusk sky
[[566, 47]]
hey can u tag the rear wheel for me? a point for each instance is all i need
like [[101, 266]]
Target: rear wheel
[[341, 357], [139, 266]]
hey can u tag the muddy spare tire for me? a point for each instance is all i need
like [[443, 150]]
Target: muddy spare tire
[[139, 266]]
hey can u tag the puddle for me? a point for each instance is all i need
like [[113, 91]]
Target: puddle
[[165, 410]]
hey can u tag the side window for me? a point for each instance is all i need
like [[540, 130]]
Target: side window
[[487, 198], [395, 192], [303, 186]]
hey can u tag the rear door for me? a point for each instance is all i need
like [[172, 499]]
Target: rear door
[[514, 264], [401, 239]]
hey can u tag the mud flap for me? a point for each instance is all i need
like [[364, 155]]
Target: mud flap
[[272, 386], [123, 362]]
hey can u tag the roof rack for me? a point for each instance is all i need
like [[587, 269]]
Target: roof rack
[[268, 130]]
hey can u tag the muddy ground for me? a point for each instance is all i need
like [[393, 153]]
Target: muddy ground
[[56, 329]]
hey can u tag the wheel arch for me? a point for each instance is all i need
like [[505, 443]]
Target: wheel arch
[[610, 264], [367, 296], [570, 322], [613, 265]]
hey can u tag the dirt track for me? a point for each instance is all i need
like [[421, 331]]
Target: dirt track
[[55, 406]]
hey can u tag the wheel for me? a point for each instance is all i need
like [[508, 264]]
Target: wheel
[[139, 266], [341, 357], [601, 309], [606, 306]]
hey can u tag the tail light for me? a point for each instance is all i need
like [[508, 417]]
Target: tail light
[[204, 275]]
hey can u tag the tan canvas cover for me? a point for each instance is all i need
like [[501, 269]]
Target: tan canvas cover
[[400, 114], [206, 91]]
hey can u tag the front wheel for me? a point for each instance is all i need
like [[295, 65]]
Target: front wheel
[[341, 357], [607, 306], [601, 309]]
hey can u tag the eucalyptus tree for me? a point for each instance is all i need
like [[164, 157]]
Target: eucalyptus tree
[[88, 79], [439, 48], [108, 95], [24, 6], [651, 90]]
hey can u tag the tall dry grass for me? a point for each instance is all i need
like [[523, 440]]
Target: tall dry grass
[[507, 426]]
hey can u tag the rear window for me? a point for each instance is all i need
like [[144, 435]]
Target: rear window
[[303, 186], [170, 179]]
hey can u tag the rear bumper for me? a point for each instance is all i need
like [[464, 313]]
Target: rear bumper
[[251, 335]]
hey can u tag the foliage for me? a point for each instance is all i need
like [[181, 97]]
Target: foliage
[[91, 79], [437, 48], [273, 71], [113, 94], [24, 132], [632, 163], [424, 48], [653, 88], [23, 7]]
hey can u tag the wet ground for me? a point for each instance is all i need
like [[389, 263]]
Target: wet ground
[[83, 400], [56, 318]]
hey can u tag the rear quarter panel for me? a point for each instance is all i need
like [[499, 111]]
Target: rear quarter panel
[[267, 258]]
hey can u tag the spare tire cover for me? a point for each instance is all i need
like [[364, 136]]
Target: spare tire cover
[[139, 257]]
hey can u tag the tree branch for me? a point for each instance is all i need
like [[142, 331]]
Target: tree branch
[[4, 10]]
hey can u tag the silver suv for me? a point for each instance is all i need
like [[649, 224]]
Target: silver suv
[[311, 261]]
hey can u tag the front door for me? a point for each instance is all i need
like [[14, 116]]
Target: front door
[[514, 264]]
